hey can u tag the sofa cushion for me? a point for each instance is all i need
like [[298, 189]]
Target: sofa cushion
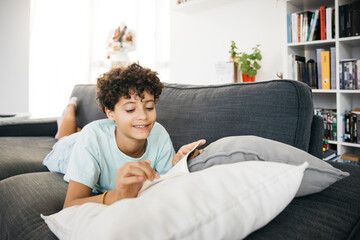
[[280, 110], [332, 214], [23, 198], [318, 176], [23, 154]]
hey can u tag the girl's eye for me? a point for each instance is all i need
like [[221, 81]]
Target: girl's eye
[[130, 111], [150, 108]]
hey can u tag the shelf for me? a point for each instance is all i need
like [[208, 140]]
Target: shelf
[[192, 6], [339, 100], [310, 4], [323, 91], [351, 41], [356, 145], [350, 91], [316, 42]]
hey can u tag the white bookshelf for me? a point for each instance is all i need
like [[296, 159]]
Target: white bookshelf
[[346, 48]]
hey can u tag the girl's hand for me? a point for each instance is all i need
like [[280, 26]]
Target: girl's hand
[[186, 149], [131, 176]]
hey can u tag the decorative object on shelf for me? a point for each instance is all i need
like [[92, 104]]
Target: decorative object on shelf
[[122, 42], [234, 59], [248, 64]]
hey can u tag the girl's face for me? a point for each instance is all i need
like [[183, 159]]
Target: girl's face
[[134, 117]]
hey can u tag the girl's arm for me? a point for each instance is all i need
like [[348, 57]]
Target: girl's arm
[[128, 183], [78, 194]]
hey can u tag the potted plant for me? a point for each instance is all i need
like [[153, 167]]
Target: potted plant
[[247, 63]]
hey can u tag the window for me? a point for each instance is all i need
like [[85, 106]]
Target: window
[[68, 44]]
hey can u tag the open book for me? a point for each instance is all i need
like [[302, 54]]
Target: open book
[[179, 169]]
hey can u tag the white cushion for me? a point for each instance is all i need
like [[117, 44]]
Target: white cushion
[[221, 202]]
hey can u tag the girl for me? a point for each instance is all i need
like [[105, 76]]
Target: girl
[[115, 156]]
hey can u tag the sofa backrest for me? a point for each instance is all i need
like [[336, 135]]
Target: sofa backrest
[[280, 110]]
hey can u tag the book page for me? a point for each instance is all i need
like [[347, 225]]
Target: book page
[[179, 169]]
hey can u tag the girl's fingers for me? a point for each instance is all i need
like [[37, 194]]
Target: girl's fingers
[[141, 169]]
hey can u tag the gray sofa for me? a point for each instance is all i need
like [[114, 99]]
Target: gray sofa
[[280, 110]]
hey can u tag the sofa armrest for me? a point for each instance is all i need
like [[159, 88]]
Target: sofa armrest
[[316, 138], [29, 127]]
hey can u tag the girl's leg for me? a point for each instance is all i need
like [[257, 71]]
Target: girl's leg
[[67, 123]]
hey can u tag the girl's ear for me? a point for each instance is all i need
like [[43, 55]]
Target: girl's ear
[[110, 114]]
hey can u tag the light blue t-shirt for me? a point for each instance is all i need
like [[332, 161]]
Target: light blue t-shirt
[[96, 157]]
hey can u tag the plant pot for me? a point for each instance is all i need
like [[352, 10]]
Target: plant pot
[[247, 78]]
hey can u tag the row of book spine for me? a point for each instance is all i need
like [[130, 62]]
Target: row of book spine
[[350, 123], [349, 74], [349, 19], [319, 74], [330, 122], [309, 26]]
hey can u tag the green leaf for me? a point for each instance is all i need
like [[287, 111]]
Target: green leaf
[[252, 57], [256, 65], [252, 72], [244, 69], [258, 56]]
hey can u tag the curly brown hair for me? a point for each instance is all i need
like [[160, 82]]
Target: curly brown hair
[[123, 82]]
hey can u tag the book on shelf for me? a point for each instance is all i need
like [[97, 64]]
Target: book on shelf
[[325, 69], [349, 19], [312, 74], [357, 73], [351, 158], [303, 71], [319, 70], [319, 74], [330, 155], [354, 126], [342, 13], [314, 24], [329, 121], [307, 15], [333, 24], [329, 15], [356, 18], [349, 77], [351, 132], [289, 33], [311, 25], [294, 27], [323, 23], [333, 68]]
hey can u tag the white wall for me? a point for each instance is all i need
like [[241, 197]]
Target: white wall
[[14, 55], [201, 39]]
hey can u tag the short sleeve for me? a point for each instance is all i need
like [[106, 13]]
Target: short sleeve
[[84, 164], [165, 154]]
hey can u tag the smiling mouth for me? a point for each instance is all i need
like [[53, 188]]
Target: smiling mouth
[[141, 127]]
